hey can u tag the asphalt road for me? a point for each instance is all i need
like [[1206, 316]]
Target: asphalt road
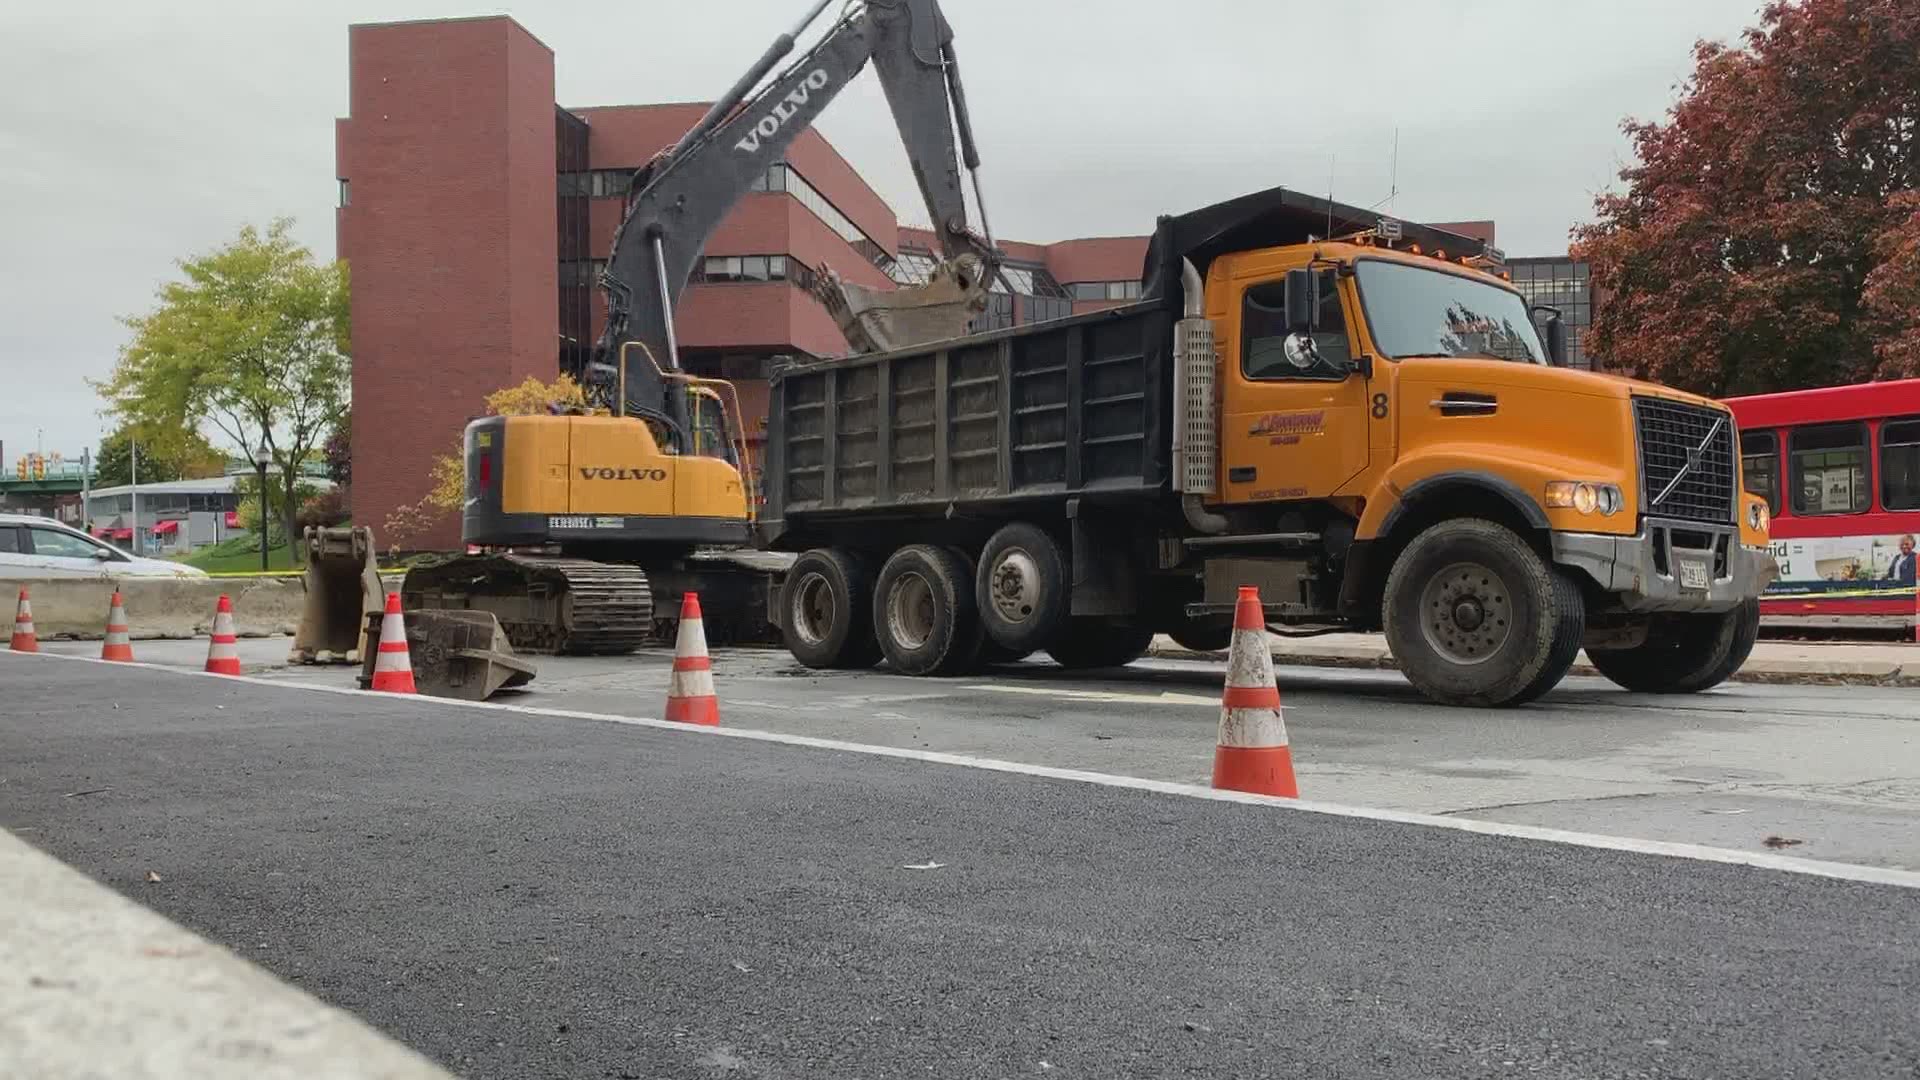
[[521, 896], [1834, 768]]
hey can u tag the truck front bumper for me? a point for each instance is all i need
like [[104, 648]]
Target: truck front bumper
[[1660, 568]]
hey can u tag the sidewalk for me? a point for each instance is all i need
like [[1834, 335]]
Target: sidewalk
[[1879, 663], [93, 984]]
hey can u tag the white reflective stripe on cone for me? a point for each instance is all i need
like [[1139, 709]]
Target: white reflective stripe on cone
[[1252, 727], [690, 684]]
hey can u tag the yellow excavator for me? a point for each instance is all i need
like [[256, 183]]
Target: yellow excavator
[[585, 527]]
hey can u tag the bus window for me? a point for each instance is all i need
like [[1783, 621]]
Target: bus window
[[1760, 465], [1900, 464], [1829, 464]]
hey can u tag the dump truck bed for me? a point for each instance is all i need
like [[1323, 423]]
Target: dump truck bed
[[1039, 412]]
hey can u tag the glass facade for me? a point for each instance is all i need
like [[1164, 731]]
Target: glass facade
[[1559, 282], [579, 271], [1024, 292]]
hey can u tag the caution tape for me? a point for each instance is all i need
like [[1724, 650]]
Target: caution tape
[[1899, 593]]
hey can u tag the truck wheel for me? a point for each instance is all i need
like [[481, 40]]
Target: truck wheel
[[823, 610], [1211, 633], [1475, 616], [1021, 588], [923, 612], [1096, 643], [1684, 654]]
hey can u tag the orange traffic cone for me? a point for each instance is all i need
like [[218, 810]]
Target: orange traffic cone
[[393, 665], [690, 698], [1252, 754], [118, 645], [223, 652], [24, 639]]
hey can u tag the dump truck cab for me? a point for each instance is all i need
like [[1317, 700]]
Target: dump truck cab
[[1430, 389]]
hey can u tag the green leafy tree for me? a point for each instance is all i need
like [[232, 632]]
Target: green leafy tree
[[252, 340], [182, 459], [1769, 234]]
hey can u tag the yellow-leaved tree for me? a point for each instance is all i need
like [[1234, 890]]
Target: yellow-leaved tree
[[448, 484]]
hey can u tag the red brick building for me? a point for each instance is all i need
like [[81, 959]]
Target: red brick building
[[475, 214]]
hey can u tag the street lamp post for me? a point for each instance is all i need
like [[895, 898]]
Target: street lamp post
[[260, 462]]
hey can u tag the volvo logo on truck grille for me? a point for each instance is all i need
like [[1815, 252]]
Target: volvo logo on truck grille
[[1695, 455]]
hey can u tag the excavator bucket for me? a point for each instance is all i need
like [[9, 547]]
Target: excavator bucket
[[454, 654], [882, 320], [342, 585]]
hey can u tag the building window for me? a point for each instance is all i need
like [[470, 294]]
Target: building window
[[581, 273], [1044, 308], [595, 183], [721, 269], [913, 267], [1105, 290], [1760, 465], [1830, 473], [1561, 284], [1900, 464], [346, 193]]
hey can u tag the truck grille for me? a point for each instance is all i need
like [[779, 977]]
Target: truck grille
[[1672, 434]]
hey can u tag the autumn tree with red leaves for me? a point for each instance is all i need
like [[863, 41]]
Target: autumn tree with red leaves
[[1769, 236]]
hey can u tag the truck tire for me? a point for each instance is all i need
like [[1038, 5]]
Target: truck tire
[[923, 612], [825, 610], [1209, 633], [1097, 643], [1684, 654], [1022, 588], [1476, 617]]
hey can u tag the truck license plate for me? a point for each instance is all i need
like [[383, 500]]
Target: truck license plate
[[1693, 571]]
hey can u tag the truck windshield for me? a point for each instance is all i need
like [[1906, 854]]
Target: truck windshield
[[1414, 311]]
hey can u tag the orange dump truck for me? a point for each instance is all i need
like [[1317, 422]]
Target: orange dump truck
[[1362, 417]]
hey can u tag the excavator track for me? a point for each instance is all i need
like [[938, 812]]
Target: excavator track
[[546, 604]]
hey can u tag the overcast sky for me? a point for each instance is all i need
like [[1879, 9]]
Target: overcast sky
[[134, 132]]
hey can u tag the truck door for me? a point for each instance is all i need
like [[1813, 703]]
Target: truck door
[[1293, 427]]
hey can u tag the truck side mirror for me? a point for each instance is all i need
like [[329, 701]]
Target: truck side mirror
[[1556, 340], [1554, 330], [1303, 302]]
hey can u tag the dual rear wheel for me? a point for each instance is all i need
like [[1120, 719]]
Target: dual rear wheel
[[931, 610]]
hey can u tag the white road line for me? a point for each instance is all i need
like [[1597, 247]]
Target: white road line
[[1165, 697], [1699, 852]]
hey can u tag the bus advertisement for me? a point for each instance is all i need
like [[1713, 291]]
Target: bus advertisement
[[1840, 470]]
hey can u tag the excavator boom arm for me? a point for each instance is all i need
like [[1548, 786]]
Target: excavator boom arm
[[680, 198]]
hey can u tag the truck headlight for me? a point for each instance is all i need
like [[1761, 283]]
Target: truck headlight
[[1757, 517], [1585, 498]]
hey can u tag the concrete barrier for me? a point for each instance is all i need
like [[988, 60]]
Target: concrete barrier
[[165, 608]]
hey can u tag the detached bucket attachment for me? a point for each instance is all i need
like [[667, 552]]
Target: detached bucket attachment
[[343, 587], [882, 320], [455, 654]]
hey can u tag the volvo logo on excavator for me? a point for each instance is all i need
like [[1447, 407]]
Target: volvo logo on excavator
[[588, 472], [770, 124]]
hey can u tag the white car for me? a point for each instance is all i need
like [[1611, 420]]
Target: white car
[[37, 547]]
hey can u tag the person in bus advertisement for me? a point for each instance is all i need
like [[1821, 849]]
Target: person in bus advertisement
[[1901, 569]]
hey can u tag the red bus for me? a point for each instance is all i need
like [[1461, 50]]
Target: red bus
[[1840, 470]]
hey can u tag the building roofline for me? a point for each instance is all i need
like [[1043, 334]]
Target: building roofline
[[453, 19]]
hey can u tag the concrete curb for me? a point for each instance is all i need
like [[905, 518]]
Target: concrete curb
[[1780, 671], [92, 984]]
